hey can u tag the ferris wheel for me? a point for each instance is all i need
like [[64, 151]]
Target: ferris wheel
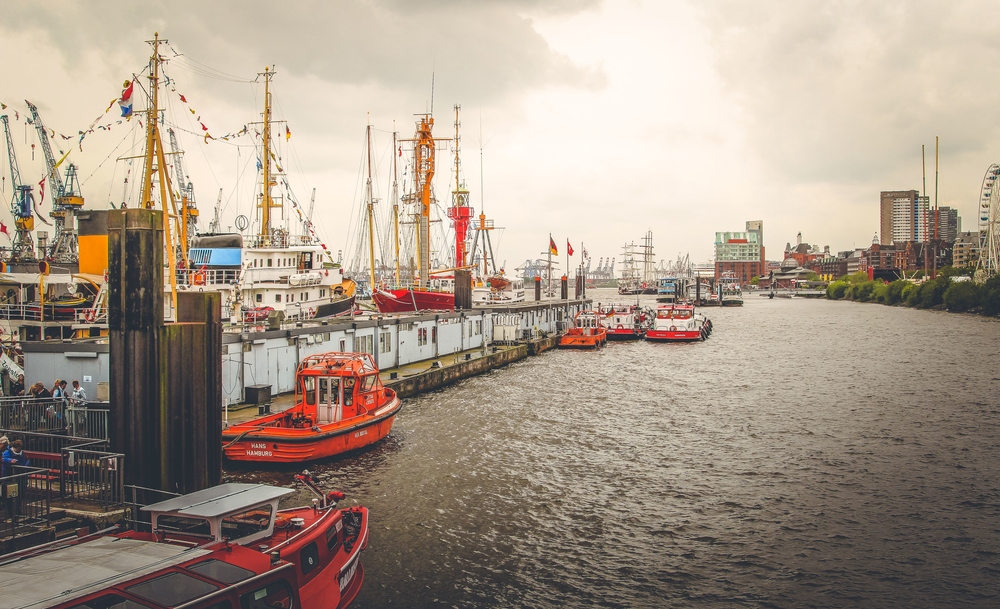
[[989, 224]]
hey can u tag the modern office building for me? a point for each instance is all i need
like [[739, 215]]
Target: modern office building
[[741, 252]]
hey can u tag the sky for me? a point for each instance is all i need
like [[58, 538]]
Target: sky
[[594, 120]]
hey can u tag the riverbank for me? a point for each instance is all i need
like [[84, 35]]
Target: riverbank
[[950, 291]]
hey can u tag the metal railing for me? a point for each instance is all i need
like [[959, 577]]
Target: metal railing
[[82, 468], [98, 475], [33, 414], [137, 497], [25, 500], [55, 415], [206, 277]]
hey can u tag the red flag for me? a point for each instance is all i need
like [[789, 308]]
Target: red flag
[[183, 99], [569, 248], [41, 189], [3, 229]]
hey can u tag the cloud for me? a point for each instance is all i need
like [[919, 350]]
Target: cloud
[[847, 91]]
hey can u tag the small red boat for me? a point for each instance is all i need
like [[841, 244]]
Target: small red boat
[[626, 321], [410, 300], [225, 546], [340, 406], [586, 333], [678, 322]]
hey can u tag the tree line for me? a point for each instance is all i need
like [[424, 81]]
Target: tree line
[[952, 290]]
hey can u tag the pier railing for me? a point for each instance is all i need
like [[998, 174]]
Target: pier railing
[[55, 415], [84, 469], [137, 497], [25, 497]]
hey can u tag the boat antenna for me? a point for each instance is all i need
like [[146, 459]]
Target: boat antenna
[[432, 90]]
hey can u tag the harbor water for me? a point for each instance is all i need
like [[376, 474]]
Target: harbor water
[[808, 454]]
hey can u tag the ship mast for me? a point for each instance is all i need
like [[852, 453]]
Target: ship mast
[[154, 150], [266, 202], [423, 158], [459, 212], [371, 214], [395, 203]]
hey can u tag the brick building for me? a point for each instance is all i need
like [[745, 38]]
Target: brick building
[[742, 253]]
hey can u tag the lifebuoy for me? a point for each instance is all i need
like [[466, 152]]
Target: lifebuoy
[[312, 312], [89, 315], [673, 328], [198, 278]]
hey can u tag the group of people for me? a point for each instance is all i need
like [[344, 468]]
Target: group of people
[[59, 390], [13, 454]]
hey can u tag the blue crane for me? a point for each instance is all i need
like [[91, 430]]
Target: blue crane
[[66, 197], [23, 249]]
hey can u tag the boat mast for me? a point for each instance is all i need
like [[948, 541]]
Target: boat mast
[[154, 149], [423, 158], [266, 202], [395, 202], [371, 214], [459, 212]]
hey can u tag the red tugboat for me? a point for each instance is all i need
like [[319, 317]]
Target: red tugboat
[[225, 546], [340, 406], [626, 321], [586, 333], [678, 323]]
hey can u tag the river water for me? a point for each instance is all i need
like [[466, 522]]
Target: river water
[[808, 454]]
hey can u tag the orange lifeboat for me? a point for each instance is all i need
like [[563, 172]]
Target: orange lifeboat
[[340, 406], [587, 332]]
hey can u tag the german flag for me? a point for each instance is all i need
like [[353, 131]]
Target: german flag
[[552, 247]]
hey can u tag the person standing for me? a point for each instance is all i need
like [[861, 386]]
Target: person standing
[[14, 455], [78, 393]]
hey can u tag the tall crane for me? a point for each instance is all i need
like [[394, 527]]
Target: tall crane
[[23, 249], [189, 210], [66, 197]]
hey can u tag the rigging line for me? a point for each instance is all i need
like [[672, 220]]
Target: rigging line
[[181, 57], [101, 164]]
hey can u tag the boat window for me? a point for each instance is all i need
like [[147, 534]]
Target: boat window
[[269, 261], [110, 601], [368, 382], [348, 391], [247, 523], [333, 535], [172, 589], [220, 571], [259, 298], [183, 524], [328, 391], [276, 595], [277, 298], [309, 557], [309, 389]]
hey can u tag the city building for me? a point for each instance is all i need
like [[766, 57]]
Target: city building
[[966, 249], [892, 210], [951, 224], [803, 253], [741, 253]]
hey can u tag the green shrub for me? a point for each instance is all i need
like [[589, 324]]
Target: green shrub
[[836, 290], [989, 296], [863, 291], [894, 291], [881, 292], [962, 296], [932, 292]]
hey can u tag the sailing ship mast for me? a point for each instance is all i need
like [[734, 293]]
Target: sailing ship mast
[[154, 150], [423, 159], [460, 213], [266, 202], [371, 212], [395, 203]]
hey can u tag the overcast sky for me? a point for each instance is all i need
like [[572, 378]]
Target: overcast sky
[[595, 120]]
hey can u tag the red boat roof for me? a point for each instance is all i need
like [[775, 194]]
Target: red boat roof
[[338, 363]]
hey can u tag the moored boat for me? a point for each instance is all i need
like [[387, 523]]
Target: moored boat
[[340, 406], [626, 321], [225, 546], [730, 292], [587, 332], [678, 323]]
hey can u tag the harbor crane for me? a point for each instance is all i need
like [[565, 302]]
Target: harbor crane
[[66, 197], [188, 225], [23, 249]]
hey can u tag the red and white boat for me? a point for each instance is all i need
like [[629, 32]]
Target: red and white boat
[[586, 333], [340, 406], [225, 546], [678, 323], [440, 296], [626, 321]]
